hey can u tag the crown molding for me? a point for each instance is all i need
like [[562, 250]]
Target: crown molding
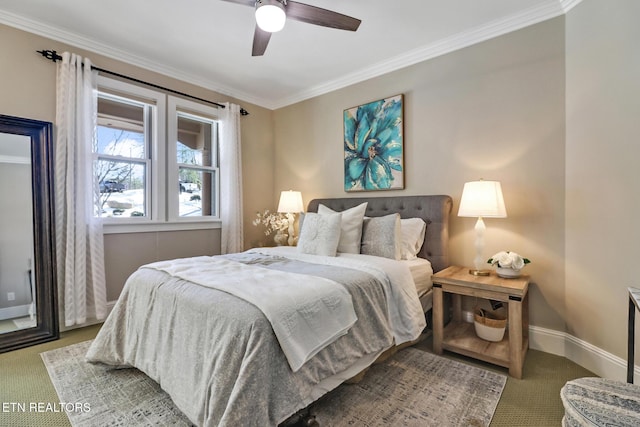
[[546, 9], [72, 39], [567, 5]]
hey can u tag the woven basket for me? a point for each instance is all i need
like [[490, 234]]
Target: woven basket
[[489, 326]]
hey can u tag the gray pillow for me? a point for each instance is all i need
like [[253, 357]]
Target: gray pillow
[[382, 236], [320, 234]]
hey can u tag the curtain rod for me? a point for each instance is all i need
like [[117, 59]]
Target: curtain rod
[[52, 55]]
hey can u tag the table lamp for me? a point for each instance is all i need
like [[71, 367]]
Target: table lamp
[[481, 199], [290, 203]]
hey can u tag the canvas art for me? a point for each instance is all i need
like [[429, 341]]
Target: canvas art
[[374, 146]]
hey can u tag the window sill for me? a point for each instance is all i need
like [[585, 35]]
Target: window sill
[[149, 227]]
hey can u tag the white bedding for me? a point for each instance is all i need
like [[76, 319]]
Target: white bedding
[[406, 316], [217, 356], [307, 313], [421, 271]]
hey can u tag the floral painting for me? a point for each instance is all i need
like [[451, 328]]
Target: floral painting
[[373, 146]]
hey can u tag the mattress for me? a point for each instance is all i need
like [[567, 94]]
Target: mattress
[[421, 270], [217, 356]]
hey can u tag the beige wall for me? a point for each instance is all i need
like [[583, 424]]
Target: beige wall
[[27, 85], [558, 129], [128, 252], [494, 111], [602, 173]]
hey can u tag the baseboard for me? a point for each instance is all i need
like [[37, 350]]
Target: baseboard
[[13, 312], [547, 340], [598, 361]]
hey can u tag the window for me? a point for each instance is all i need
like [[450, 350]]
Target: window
[[156, 167], [194, 173], [122, 160]]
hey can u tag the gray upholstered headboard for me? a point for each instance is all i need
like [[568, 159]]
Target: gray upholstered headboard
[[434, 210]]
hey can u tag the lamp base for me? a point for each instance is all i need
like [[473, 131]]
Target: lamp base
[[475, 272]]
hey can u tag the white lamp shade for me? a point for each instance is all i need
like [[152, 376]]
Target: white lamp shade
[[482, 199], [270, 15], [290, 202]]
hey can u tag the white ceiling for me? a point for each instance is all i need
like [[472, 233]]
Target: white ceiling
[[208, 42]]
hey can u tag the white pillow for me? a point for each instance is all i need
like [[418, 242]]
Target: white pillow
[[320, 234], [381, 236], [351, 233], [413, 232]]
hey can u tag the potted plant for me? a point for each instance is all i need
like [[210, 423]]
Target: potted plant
[[274, 222], [508, 264]]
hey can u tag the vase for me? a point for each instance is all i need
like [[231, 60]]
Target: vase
[[281, 238], [507, 273]]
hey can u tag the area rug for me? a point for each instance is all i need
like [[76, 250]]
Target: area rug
[[413, 388]]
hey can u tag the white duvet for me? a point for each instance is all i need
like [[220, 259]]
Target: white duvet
[[217, 355], [406, 317], [307, 313]]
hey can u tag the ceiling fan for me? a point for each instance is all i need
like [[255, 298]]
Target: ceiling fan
[[272, 14]]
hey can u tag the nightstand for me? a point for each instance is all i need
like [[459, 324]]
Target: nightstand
[[460, 336]]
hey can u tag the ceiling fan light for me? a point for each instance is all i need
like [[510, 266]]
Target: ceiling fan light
[[270, 15]]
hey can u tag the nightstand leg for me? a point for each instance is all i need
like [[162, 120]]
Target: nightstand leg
[[438, 319], [516, 354]]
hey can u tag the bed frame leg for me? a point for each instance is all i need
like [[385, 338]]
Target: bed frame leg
[[302, 418]]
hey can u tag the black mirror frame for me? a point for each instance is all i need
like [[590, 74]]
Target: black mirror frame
[[47, 328]]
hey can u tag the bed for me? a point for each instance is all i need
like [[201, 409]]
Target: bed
[[434, 210], [224, 361]]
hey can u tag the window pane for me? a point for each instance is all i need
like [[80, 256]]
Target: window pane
[[122, 188], [197, 194], [194, 141], [120, 142]]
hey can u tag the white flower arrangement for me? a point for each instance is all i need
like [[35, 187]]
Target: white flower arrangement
[[273, 221], [507, 259]]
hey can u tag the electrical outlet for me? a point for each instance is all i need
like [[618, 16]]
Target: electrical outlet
[[11, 296]]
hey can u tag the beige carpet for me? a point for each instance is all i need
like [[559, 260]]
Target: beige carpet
[[413, 388], [533, 401]]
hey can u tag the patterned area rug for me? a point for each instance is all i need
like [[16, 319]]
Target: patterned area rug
[[413, 388]]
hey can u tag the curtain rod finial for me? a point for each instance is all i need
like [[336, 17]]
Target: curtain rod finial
[[51, 55]]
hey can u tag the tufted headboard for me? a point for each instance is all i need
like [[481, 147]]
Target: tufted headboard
[[434, 210]]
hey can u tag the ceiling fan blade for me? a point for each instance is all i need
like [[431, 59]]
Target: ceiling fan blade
[[318, 16], [251, 3], [260, 41]]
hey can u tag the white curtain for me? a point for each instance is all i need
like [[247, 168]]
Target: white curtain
[[79, 240], [231, 180]]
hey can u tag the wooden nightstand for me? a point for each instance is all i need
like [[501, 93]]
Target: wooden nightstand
[[460, 336]]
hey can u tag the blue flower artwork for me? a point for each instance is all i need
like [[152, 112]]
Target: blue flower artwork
[[373, 146]]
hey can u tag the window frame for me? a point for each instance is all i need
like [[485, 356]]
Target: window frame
[[154, 185], [144, 161], [163, 125], [197, 111]]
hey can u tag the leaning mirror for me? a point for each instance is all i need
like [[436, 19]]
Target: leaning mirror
[[28, 296]]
